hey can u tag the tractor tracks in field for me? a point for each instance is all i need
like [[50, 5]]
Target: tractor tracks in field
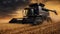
[[33, 29], [30, 28], [6, 31]]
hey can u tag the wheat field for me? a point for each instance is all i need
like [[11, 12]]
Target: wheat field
[[45, 28]]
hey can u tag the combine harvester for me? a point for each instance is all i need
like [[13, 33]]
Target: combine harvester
[[35, 14]]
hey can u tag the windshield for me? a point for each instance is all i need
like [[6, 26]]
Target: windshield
[[25, 12]]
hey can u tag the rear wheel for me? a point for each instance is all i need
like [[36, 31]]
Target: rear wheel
[[38, 21], [49, 19]]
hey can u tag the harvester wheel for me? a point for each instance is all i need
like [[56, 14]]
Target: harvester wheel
[[38, 21], [49, 19]]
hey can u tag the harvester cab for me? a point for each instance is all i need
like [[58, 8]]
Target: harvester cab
[[28, 12], [32, 10]]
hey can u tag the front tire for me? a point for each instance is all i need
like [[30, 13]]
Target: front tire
[[38, 21], [49, 19]]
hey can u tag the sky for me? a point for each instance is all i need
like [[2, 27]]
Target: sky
[[13, 8], [9, 7]]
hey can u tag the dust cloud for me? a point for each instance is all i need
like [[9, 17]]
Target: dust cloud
[[54, 5]]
